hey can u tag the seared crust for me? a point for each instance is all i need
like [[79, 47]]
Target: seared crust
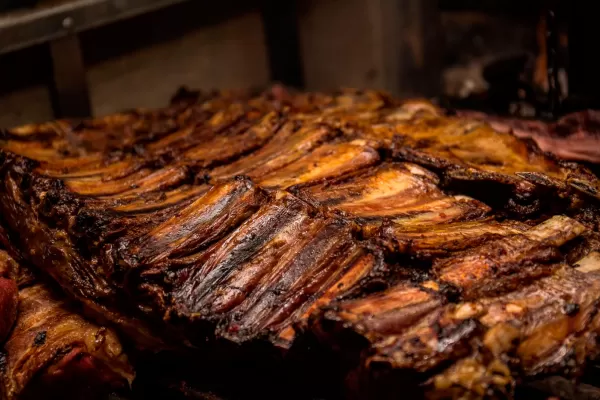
[[242, 218], [51, 345]]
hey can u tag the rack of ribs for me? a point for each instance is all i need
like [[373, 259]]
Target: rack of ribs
[[50, 350], [237, 220]]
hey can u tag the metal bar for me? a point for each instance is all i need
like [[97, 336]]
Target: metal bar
[[26, 28], [554, 89], [584, 81], [280, 22], [406, 45], [69, 90]]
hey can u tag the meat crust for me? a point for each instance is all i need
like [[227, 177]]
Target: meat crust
[[266, 220]]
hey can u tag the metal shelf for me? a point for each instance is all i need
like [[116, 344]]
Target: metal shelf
[[58, 26], [20, 29]]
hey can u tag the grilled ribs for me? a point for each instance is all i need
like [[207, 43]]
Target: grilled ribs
[[52, 351], [235, 219], [480, 345]]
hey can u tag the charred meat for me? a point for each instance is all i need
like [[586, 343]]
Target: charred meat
[[431, 252], [51, 347]]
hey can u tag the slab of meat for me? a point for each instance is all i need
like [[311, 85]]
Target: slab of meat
[[410, 335], [501, 265], [470, 154], [247, 261], [232, 227], [573, 137], [51, 351]]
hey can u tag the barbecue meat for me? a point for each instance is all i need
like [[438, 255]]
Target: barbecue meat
[[326, 162], [9, 295], [501, 265], [246, 262], [572, 137], [404, 193], [470, 153], [396, 203], [288, 145], [413, 331], [483, 348], [230, 224], [427, 241], [51, 346], [547, 328]]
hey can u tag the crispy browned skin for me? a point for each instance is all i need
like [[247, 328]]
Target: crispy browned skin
[[544, 329], [404, 201], [500, 265], [248, 262], [470, 153], [405, 193], [484, 347], [239, 217], [51, 345], [439, 240]]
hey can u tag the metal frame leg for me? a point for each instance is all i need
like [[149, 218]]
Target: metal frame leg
[[280, 23], [406, 45], [68, 88]]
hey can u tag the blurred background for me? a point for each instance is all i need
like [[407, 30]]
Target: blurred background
[[93, 57]]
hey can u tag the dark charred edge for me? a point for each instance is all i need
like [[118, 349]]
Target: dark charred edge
[[187, 96], [60, 204], [588, 215], [184, 95], [342, 347], [580, 247], [94, 294], [57, 205], [26, 275], [79, 280]]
